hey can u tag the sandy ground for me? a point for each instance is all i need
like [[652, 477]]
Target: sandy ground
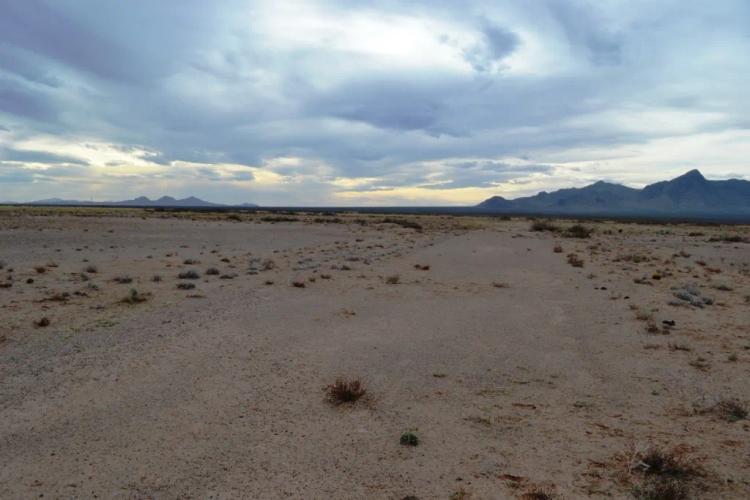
[[518, 372]]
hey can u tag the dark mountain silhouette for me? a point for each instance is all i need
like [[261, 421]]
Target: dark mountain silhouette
[[141, 201], [689, 194]]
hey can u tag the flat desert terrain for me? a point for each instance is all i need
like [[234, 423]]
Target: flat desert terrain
[[148, 354]]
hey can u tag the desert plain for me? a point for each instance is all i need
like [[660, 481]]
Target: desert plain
[[157, 354]]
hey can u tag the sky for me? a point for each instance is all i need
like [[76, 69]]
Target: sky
[[333, 102]]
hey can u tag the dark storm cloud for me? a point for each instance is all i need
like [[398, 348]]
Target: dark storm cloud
[[45, 29], [25, 102], [7, 154], [14, 174]]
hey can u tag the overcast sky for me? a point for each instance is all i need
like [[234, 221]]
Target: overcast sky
[[282, 102]]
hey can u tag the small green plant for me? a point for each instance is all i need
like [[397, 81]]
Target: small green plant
[[409, 438]]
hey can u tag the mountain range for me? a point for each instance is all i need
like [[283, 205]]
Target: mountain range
[[141, 201], [690, 194]]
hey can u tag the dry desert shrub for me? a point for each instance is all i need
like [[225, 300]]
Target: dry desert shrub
[[42, 323], [539, 493], [574, 260], [664, 474], [123, 280], [189, 275], [212, 271], [393, 280], [558, 249], [409, 224], [135, 297], [268, 264], [345, 391], [185, 286], [731, 410], [298, 284], [579, 231], [543, 225]]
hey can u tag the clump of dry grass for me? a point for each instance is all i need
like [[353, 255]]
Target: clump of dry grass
[[393, 280], [135, 297], [185, 286], [579, 231], [268, 264], [662, 489], [665, 474], [543, 225], [345, 391], [539, 493], [406, 223], [212, 271], [730, 410], [123, 280], [574, 260], [671, 463], [298, 284], [189, 275]]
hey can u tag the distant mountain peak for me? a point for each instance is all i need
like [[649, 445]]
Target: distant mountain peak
[[690, 193], [690, 176], [141, 201], [695, 173]]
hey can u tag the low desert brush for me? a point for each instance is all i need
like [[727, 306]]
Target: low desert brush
[[345, 391]]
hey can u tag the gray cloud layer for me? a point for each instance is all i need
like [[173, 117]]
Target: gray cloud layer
[[367, 96]]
